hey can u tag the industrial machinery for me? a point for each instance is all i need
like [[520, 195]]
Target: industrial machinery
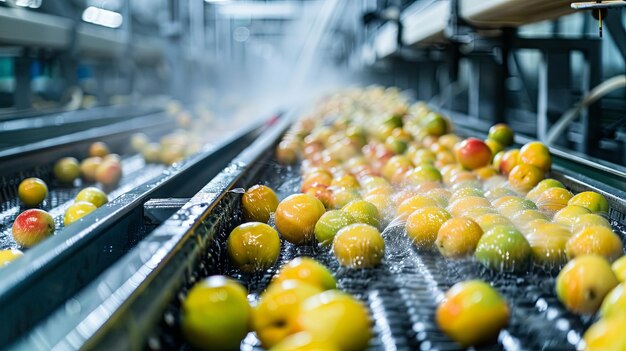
[[76, 72]]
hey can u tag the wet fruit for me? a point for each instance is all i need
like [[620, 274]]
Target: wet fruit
[[416, 202], [553, 199], [542, 186], [597, 240], [216, 314], [501, 133], [296, 217], [491, 220], [591, 200], [66, 170], [304, 342], [138, 141], [423, 225], [32, 226], [77, 211], [9, 255], [547, 244], [584, 282], [336, 318], [93, 195], [363, 212], [473, 153], [276, 306], [258, 202], [503, 248], [359, 246], [472, 313], [568, 215], [253, 247], [307, 270], [458, 237], [537, 154], [32, 191], [330, 223], [614, 304], [589, 220], [524, 177], [619, 268], [606, 335]]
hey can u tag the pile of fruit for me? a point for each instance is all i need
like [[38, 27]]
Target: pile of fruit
[[370, 160]]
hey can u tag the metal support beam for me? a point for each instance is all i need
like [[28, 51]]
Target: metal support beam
[[22, 82], [616, 27]]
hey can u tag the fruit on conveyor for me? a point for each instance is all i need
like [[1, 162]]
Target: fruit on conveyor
[[597, 240], [151, 153], [32, 191], [593, 201], [296, 217], [414, 203], [66, 170], [509, 159], [77, 211], [458, 237], [501, 133], [536, 154], [473, 153], [88, 168], [472, 313], [307, 270], [359, 246], [524, 177], [503, 248], [9, 255], [258, 202], [336, 318], [363, 212], [276, 307], [619, 268], [99, 149], [216, 314], [584, 282], [31, 227], [542, 186], [423, 225], [330, 223], [109, 172], [553, 200], [606, 335], [253, 247], [138, 141], [304, 342], [589, 220], [568, 215], [548, 244], [614, 303], [93, 195]]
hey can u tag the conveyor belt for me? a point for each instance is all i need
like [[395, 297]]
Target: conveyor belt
[[144, 289], [57, 268]]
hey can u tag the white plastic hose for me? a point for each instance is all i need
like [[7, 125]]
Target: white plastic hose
[[594, 95]]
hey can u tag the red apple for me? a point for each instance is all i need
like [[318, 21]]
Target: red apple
[[509, 160], [109, 172], [32, 226], [473, 153]]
